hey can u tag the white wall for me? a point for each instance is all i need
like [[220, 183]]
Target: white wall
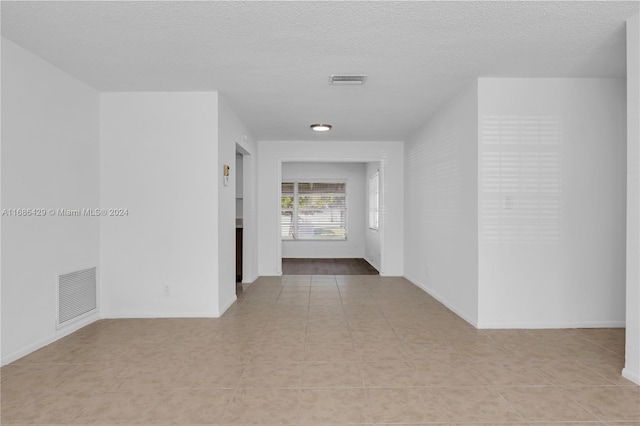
[[441, 230], [353, 174], [271, 154], [231, 132], [158, 157], [551, 203], [49, 160], [372, 236], [632, 359]]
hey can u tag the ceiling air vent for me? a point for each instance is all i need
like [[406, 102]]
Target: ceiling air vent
[[348, 79]]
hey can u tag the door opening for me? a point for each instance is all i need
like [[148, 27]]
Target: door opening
[[239, 220]]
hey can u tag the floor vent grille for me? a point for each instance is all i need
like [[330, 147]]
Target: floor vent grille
[[77, 295]]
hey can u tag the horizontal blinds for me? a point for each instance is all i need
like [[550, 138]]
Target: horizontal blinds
[[287, 189], [314, 211], [321, 188], [287, 225]]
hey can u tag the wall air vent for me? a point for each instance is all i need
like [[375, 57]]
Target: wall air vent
[[77, 295], [354, 79]]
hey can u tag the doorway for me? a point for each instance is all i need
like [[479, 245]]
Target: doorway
[[325, 222], [239, 219]]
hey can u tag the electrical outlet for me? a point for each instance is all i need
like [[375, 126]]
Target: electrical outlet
[[167, 290]]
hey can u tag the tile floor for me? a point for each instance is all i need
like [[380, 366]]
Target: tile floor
[[322, 350]]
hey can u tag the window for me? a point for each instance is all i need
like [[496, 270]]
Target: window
[[374, 200], [314, 211]]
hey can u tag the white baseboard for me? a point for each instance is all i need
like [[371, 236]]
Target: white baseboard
[[372, 263], [250, 280], [551, 325], [134, 315], [630, 375], [443, 300], [60, 333], [517, 325], [326, 256], [227, 306], [138, 314]]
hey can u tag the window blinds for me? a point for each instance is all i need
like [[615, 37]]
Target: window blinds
[[314, 211]]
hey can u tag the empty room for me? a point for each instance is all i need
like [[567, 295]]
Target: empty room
[[320, 213]]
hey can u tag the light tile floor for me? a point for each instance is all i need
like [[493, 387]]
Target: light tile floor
[[322, 350]]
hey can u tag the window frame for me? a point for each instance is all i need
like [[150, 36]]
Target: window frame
[[294, 209]]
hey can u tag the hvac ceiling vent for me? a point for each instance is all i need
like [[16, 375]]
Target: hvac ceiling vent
[[342, 80]]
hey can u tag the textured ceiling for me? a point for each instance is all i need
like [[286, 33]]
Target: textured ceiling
[[271, 60]]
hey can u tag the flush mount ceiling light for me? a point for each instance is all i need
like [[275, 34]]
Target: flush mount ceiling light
[[350, 79], [321, 127]]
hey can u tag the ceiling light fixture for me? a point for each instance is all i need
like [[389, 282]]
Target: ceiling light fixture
[[321, 127]]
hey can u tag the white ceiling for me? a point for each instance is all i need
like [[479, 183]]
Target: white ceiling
[[272, 60]]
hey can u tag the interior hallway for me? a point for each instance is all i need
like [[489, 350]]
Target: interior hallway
[[319, 350]]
